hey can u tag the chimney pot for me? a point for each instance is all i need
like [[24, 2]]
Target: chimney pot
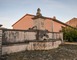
[[54, 17]]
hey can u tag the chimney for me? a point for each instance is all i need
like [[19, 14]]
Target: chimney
[[54, 17]]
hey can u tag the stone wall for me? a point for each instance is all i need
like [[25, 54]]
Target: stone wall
[[21, 40], [18, 36], [41, 45], [0, 43]]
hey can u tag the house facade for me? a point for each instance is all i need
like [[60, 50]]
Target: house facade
[[72, 22], [39, 22]]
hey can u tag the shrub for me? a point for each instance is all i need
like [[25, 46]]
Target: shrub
[[69, 34]]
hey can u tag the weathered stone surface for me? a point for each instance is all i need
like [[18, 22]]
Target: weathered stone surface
[[43, 45], [64, 52]]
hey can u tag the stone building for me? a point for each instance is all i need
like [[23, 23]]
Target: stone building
[[39, 22], [32, 32]]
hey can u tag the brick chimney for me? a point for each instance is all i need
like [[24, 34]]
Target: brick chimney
[[54, 17]]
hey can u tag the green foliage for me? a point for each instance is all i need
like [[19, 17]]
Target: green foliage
[[69, 34]]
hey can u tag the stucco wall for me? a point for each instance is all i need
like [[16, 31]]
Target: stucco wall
[[48, 25], [53, 26], [24, 23], [27, 22], [57, 27], [72, 22], [44, 45]]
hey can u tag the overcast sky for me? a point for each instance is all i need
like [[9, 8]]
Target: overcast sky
[[12, 10]]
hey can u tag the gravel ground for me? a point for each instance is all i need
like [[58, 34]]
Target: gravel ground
[[64, 52]]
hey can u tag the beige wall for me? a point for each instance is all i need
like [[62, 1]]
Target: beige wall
[[39, 23], [35, 45], [22, 36], [31, 46], [19, 36]]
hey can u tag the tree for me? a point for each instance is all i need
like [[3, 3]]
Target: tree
[[69, 34]]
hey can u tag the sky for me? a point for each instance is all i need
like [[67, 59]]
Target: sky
[[12, 10]]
